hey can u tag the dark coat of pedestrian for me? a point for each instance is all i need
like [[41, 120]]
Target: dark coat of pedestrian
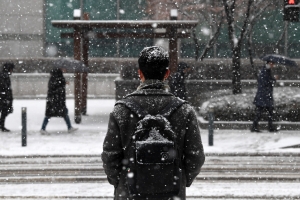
[[56, 95], [153, 96], [56, 100], [264, 97], [265, 84], [177, 81], [6, 95]]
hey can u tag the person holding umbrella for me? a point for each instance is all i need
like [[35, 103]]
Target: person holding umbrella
[[56, 100], [264, 96]]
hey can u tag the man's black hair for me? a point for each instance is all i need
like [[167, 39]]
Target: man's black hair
[[154, 62]]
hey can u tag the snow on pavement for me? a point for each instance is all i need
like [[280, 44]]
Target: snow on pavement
[[198, 189], [89, 138]]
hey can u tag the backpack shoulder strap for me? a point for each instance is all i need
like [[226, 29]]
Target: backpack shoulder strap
[[171, 107], [140, 112], [133, 106]]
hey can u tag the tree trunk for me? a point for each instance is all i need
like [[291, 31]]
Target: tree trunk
[[197, 47], [236, 75]]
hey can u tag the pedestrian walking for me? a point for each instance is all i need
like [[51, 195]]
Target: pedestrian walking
[[56, 100], [153, 148], [177, 81], [6, 95], [264, 97]]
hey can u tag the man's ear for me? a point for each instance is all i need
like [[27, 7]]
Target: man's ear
[[167, 74], [141, 75]]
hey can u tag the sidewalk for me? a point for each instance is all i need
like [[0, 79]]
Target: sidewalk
[[89, 138]]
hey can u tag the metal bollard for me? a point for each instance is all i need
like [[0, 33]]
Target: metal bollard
[[211, 126], [24, 127]]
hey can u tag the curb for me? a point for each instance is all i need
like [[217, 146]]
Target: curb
[[240, 125]]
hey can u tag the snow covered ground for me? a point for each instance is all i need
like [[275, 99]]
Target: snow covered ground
[[206, 190], [88, 139]]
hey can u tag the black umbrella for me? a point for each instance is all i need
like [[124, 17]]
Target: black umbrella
[[70, 65], [279, 59]]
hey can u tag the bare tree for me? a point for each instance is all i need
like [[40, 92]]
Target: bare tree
[[210, 13], [236, 39], [240, 17], [252, 21], [211, 42], [244, 13]]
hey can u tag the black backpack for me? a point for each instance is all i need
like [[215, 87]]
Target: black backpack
[[154, 166]]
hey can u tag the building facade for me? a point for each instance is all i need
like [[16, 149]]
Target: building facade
[[22, 30], [26, 30]]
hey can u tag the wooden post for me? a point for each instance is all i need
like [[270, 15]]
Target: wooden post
[[77, 75], [85, 58], [173, 50], [84, 85], [211, 126], [24, 126]]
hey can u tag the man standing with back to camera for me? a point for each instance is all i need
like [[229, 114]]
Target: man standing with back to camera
[[153, 96]]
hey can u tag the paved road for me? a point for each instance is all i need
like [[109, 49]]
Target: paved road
[[226, 176]]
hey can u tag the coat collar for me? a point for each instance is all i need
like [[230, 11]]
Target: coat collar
[[153, 84], [152, 87]]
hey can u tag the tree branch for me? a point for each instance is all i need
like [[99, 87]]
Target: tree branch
[[230, 18], [280, 38], [197, 46], [249, 42], [245, 23], [212, 41]]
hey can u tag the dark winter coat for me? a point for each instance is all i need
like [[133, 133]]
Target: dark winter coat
[[265, 84], [56, 96], [177, 84], [152, 97], [6, 96]]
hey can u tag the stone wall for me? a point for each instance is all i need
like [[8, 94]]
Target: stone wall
[[209, 69], [35, 85], [204, 78], [45, 64]]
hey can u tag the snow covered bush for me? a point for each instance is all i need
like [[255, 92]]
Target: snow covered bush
[[229, 107]]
